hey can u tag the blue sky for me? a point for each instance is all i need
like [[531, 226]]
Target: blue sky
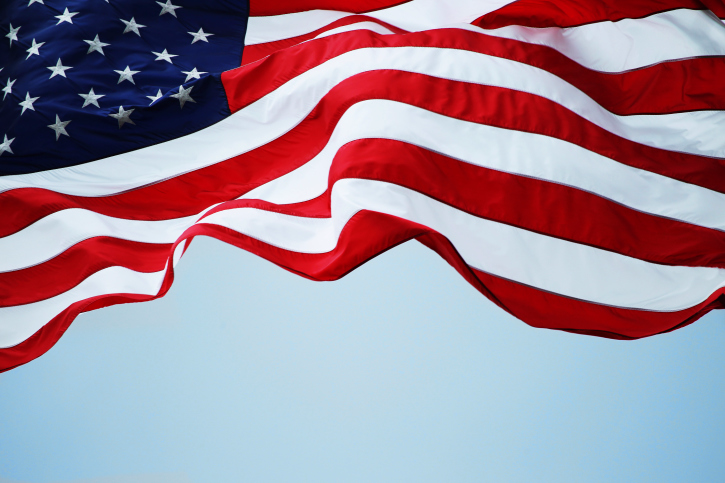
[[399, 372]]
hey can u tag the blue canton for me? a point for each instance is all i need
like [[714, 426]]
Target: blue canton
[[87, 79]]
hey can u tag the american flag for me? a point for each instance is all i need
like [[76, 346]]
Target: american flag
[[567, 159]]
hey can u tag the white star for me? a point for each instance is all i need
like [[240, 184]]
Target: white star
[[28, 103], [5, 146], [33, 50], [8, 89], [13, 34], [58, 69], [91, 98], [132, 26], [192, 74], [168, 8], [66, 16], [126, 74], [34, 1], [155, 98], [59, 127], [123, 116], [200, 35], [184, 95], [164, 56], [95, 45]]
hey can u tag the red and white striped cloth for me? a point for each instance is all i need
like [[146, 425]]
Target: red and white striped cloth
[[567, 160]]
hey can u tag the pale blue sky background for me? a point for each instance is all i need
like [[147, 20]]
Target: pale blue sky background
[[400, 372]]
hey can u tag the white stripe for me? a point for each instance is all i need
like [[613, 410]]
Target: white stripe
[[605, 46], [630, 43], [59, 231], [22, 321], [261, 30], [540, 261], [516, 152], [280, 111], [372, 26], [412, 16]]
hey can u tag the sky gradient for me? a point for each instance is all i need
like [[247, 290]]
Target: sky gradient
[[399, 372]]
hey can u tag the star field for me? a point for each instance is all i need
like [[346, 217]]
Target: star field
[[86, 79]]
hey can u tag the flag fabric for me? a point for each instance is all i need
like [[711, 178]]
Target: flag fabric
[[566, 158]]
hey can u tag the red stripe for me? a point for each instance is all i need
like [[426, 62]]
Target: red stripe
[[184, 195], [572, 13], [668, 87], [264, 8], [551, 311], [685, 85], [369, 234], [192, 192], [44, 339], [74, 265], [253, 53]]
